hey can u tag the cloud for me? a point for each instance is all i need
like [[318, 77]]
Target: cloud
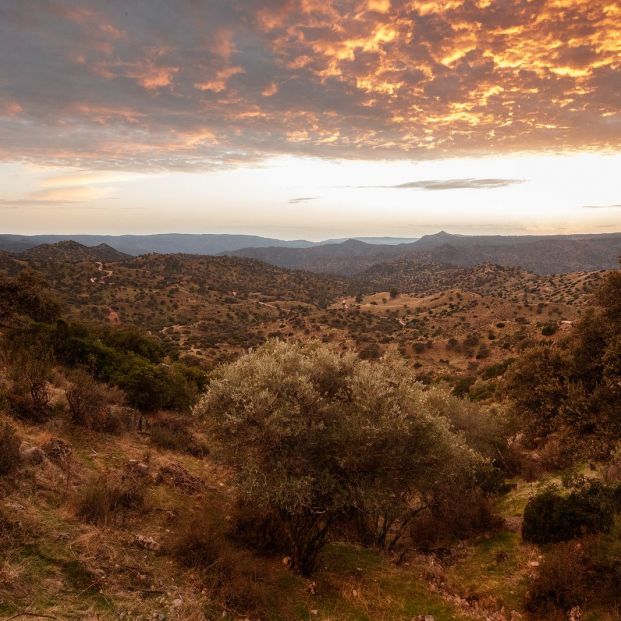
[[79, 188], [32, 201], [601, 206], [451, 184], [197, 85], [302, 199]]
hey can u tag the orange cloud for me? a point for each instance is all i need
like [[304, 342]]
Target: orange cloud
[[174, 86]]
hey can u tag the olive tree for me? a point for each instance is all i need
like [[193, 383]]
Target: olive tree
[[317, 436]]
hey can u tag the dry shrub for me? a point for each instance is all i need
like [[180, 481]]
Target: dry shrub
[[454, 519], [238, 580], [9, 449], [561, 582], [199, 541], [173, 434], [8, 528], [29, 402], [518, 462], [612, 471], [575, 573], [559, 453], [259, 529], [29, 369], [89, 403], [107, 497], [234, 576]]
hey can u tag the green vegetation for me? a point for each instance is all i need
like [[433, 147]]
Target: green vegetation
[[376, 457], [551, 517], [318, 437]]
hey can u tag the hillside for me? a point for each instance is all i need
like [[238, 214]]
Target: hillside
[[138, 519], [114, 508], [212, 307], [58, 563], [415, 277], [447, 321], [8, 263]]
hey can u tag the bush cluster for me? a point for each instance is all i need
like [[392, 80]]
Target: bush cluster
[[551, 517]]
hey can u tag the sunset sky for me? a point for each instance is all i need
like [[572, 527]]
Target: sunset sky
[[310, 118]]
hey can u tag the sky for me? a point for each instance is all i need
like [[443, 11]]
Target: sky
[[310, 118]]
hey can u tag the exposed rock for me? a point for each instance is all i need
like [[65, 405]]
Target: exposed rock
[[148, 543], [175, 475]]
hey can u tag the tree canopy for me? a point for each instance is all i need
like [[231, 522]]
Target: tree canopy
[[315, 434]]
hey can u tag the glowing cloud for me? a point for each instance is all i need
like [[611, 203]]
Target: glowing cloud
[[123, 86]]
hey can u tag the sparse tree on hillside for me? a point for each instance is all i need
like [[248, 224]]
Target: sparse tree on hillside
[[317, 436], [573, 389], [26, 296]]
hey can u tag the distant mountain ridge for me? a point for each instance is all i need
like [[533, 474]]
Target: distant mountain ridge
[[541, 254], [73, 252], [172, 243]]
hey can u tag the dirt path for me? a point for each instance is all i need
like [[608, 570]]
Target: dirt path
[[102, 278]]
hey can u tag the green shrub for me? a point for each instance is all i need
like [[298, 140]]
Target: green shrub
[[551, 517], [313, 434]]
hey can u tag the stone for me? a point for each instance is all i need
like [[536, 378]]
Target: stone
[[148, 543]]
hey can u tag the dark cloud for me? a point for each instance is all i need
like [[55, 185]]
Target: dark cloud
[[450, 184], [154, 84], [302, 199]]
